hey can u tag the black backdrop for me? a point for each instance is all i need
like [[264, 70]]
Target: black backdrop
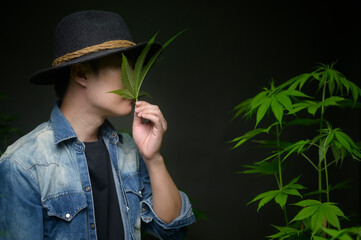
[[231, 50]]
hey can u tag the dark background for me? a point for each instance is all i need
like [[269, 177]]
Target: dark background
[[231, 50]]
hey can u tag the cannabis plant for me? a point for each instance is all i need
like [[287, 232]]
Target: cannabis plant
[[132, 81], [287, 105]]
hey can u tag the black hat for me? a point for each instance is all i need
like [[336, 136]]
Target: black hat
[[87, 35]]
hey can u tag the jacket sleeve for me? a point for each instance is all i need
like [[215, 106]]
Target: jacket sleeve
[[152, 223], [20, 206]]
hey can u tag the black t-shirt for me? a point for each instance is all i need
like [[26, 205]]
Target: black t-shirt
[[109, 223]]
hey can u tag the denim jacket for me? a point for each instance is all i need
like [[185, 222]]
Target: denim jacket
[[45, 190]]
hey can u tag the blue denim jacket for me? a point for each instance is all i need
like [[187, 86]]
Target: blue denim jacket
[[45, 190]]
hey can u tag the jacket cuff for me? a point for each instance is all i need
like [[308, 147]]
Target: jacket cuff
[[185, 217]]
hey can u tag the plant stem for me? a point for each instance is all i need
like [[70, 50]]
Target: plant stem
[[280, 182], [285, 213], [320, 182], [321, 126], [279, 158], [326, 178]]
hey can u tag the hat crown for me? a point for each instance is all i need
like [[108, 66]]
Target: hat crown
[[87, 28]]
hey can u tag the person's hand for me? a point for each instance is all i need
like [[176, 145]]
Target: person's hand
[[148, 136]]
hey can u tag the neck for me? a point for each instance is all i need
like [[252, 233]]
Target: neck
[[84, 120]]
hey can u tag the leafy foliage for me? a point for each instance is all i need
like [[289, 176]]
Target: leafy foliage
[[132, 81], [319, 212], [280, 196], [318, 219]]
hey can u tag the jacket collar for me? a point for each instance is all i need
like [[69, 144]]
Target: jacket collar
[[64, 131]]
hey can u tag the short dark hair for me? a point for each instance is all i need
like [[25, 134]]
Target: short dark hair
[[62, 83]]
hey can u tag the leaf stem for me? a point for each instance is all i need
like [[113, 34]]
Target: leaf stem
[[278, 182], [308, 159]]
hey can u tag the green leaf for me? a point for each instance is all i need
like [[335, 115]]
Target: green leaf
[[248, 135], [312, 109], [126, 76], [307, 203], [329, 137], [337, 234], [293, 191], [295, 93], [277, 109], [263, 109], [319, 212], [257, 100], [133, 81], [264, 198], [331, 216], [284, 232], [284, 100], [331, 101], [339, 153], [317, 219], [241, 108], [299, 81], [322, 150], [355, 90], [299, 146], [264, 168], [305, 213], [281, 199], [123, 93], [340, 138]]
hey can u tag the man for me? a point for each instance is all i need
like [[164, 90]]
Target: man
[[75, 177]]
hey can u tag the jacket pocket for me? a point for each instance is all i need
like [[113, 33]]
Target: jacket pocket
[[65, 216], [133, 188], [65, 206]]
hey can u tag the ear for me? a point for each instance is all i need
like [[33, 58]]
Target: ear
[[78, 72]]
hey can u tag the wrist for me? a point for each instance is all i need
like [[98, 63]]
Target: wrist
[[154, 162]]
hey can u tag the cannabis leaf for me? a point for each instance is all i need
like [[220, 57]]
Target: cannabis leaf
[[280, 196], [132, 82], [344, 234], [242, 139], [284, 233], [318, 212]]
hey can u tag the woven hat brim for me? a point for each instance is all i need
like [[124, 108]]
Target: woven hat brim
[[50, 75]]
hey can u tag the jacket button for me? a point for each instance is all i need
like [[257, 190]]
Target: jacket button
[[143, 210], [67, 215], [87, 189], [114, 134], [92, 226]]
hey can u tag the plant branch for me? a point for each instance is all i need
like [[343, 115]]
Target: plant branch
[[308, 159]]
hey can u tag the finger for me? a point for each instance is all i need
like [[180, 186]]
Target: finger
[[155, 120], [137, 119], [157, 113], [142, 107]]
